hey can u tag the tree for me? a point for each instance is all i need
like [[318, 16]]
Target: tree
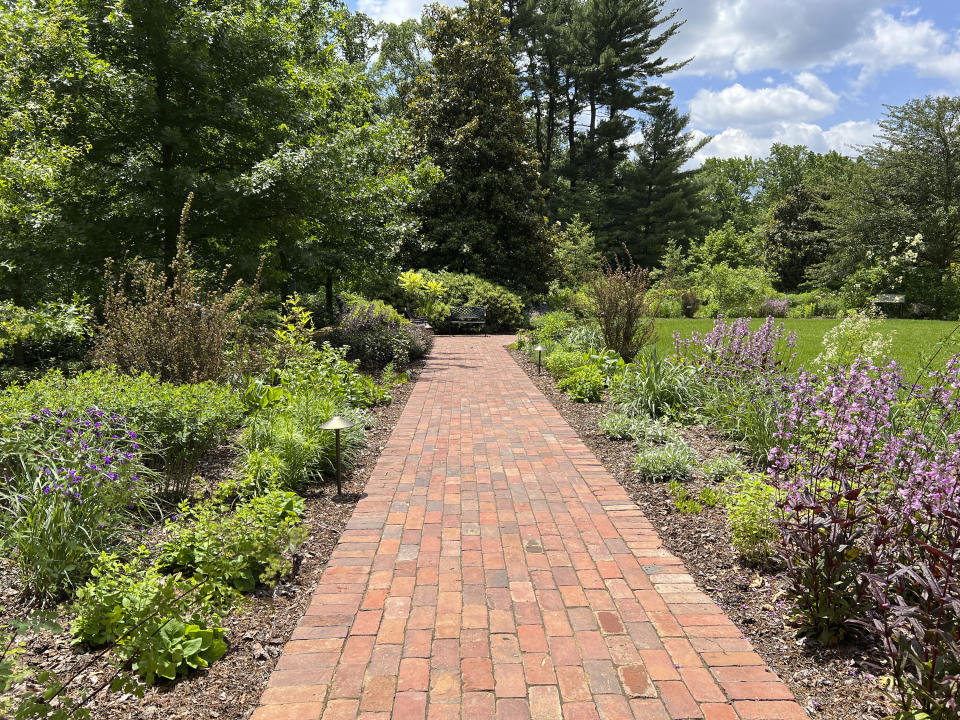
[[575, 255], [402, 58], [262, 109], [659, 199], [618, 42], [486, 215], [907, 185], [795, 240], [729, 187]]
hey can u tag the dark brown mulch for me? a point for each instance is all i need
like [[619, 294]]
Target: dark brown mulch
[[831, 683], [256, 631]]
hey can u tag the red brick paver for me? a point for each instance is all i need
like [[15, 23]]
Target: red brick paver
[[496, 570]]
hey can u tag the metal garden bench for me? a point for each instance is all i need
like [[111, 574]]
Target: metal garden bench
[[468, 315]]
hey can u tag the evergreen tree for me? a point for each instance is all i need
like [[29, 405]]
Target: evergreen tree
[[659, 199], [486, 215], [795, 238], [618, 42]]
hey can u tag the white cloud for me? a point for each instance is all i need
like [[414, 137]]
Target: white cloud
[[808, 99], [888, 42], [731, 37], [750, 35], [394, 10], [737, 142]]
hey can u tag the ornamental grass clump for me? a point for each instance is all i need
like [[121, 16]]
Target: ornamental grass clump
[[74, 484]]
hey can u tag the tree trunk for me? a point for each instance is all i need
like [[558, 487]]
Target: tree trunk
[[328, 289]]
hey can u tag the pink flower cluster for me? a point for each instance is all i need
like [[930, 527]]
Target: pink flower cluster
[[734, 352]]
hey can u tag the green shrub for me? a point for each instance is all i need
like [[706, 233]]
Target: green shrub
[[675, 460], [164, 625], [585, 338], [572, 300], [560, 363], [326, 368], [505, 310], [723, 467], [177, 331], [619, 294], [74, 485], [176, 423], [751, 517], [584, 384], [733, 291], [376, 334], [654, 386], [552, 327], [241, 549]]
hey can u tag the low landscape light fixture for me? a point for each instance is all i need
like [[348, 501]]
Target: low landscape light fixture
[[337, 423], [539, 349]]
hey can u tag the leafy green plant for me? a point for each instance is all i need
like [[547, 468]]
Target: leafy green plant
[[675, 460], [723, 467], [752, 517], [585, 338], [75, 485], [164, 625], [609, 363], [284, 443], [423, 295], [617, 426], [711, 496], [682, 500], [562, 363], [176, 424], [241, 549], [584, 384]]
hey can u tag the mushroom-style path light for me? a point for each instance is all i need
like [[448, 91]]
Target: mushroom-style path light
[[337, 423], [539, 349]]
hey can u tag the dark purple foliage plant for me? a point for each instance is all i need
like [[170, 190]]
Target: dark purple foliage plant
[[868, 469]]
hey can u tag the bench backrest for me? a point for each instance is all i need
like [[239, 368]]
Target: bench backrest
[[468, 312]]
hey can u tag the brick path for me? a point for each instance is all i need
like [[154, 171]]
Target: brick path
[[496, 570]]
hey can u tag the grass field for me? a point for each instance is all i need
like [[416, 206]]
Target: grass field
[[914, 341]]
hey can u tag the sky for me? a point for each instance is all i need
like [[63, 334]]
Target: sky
[[810, 72]]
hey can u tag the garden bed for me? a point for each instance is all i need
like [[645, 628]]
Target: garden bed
[[828, 682], [256, 630]]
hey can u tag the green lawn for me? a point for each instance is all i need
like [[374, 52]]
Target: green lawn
[[914, 341]]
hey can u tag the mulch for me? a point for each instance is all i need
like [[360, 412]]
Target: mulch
[[257, 630], [832, 683]]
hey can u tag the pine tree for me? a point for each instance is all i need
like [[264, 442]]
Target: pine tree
[[658, 199], [486, 215]]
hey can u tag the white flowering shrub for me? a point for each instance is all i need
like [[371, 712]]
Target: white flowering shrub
[[860, 335]]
